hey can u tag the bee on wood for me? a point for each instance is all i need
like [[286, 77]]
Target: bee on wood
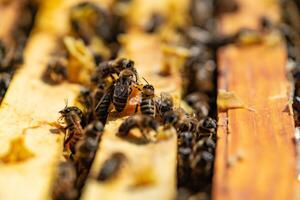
[[142, 122], [64, 185], [56, 72], [147, 104], [102, 108], [73, 118], [164, 103], [111, 167], [111, 68], [4, 83], [123, 88]]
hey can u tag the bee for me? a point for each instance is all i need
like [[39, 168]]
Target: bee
[[4, 83], [164, 103], [147, 104], [73, 118], [102, 108], [199, 102], [64, 185], [84, 155], [207, 125], [123, 88], [185, 139], [111, 166], [183, 165], [180, 120], [142, 122], [89, 20], [154, 23], [56, 72], [109, 68]]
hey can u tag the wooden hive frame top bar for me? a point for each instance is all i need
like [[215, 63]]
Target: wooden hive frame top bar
[[255, 150]]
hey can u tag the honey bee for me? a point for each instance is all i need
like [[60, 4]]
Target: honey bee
[[86, 149], [109, 68], [147, 102], [123, 88], [102, 108], [111, 166], [164, 103], [56, 72], [64, 185], [142, 122], [88, 20], [207, 125], [73, 118]]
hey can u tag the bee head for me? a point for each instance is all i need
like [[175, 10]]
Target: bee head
[[148, 90], [125, 63], [67, 110]]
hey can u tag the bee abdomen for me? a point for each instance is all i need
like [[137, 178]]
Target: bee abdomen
[[120, 102], [102, 110], [148, 107]]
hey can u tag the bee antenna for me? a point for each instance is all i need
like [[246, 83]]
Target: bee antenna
[[145, 80], [66, 102]]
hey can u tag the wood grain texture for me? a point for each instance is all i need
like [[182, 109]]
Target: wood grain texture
[[27, 108], [255, 156]]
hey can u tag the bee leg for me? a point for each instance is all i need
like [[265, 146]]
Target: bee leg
[[136, 108]]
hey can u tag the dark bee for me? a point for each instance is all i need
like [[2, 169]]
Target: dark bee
[[123, 88], [111, 167], [64, 185], [147, 103], [199, 102], [111, 68], [208, 125], [164, 103], [142, 122], [56, 72], [89, 20], [86, 149], [73, 118], [4, 83], [185, 139], [102, 107]]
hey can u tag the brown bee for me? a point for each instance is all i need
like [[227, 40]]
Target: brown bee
[[123, 88], [111, 166], [56, 72], [111, 68], [147, 104], [64, 185], [73, 118], [142, 122], [164, 103]]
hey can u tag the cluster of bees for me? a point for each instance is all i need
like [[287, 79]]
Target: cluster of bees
[[113, 82], [11, 49]]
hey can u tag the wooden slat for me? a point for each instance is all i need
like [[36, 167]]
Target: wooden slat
[[27, 108], [255, 156], [157, 159]]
